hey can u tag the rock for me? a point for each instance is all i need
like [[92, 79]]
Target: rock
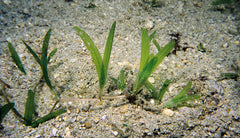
[[168, 112], [151, 79], [149, 24], [88, 124]]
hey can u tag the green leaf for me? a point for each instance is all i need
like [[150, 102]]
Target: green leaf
[[29, 109], [44, 59], [100, 64], [229, 75], [156, 44], [97, 59], [152, 90], [145, 49], [53, 52], [201, 48], [108, 47], [218, 2], [4, 110], [152, 36], [16, 58], [144, 74], [164, 52], [181, 101], [182, 97], [33, 53], [122, 80], [163, 89], [48, 117]]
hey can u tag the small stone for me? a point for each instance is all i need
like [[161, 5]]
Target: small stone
[[88, 124], [152, 101], [54, 131], [7, 2], [149, 24], [115, 133], [225, 45], [236, 42], [124, 109], [168, 112], [151, 79]]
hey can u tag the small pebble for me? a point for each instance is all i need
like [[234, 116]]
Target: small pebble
[[151, 79], [225, 45], [115, 133], [149, 24], [88, 124], [168, 112], [152, 101]]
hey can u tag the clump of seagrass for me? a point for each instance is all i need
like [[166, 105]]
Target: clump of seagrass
[[29, 118]]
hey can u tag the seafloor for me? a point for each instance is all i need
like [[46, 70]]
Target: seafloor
[[73, 75]]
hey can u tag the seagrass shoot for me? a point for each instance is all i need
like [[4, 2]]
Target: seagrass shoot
[[29, 118], [101, 64], [44, 60], [148, 63]]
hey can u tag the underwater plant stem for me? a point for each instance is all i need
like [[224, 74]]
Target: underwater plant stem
[[100, 93]]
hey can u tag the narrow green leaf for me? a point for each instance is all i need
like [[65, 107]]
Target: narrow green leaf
[[201, 48], [122, 79], [102, 79], [108, 47], [163, 89], [156, 44], [184, 90], [164, 52], [48, 117], [145, 49], [4, 110], [144, 74], [218, 2], [16, 58], [182, 97], [44, 59], [97, 59], [152, 90], [53, 52], [181, 101], [116, 81], [33, 53], [229, 75], [29, 109], [152, 36]]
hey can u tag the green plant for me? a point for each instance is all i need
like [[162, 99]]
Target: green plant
[[4, 110], [149, 62], [121, 81], [158, 95], [28, 118], [101, 64], [16, 58], [218, 2], [182, 98], [30, 110], [45, 58]]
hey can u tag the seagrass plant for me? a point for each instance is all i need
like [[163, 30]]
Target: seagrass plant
[[45, 58], [29, 119], [148, 64], [101, 64]]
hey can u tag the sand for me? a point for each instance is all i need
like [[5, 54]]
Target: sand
[[74, 77]]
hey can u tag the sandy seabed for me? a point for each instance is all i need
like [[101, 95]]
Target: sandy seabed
[[73, 74]]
